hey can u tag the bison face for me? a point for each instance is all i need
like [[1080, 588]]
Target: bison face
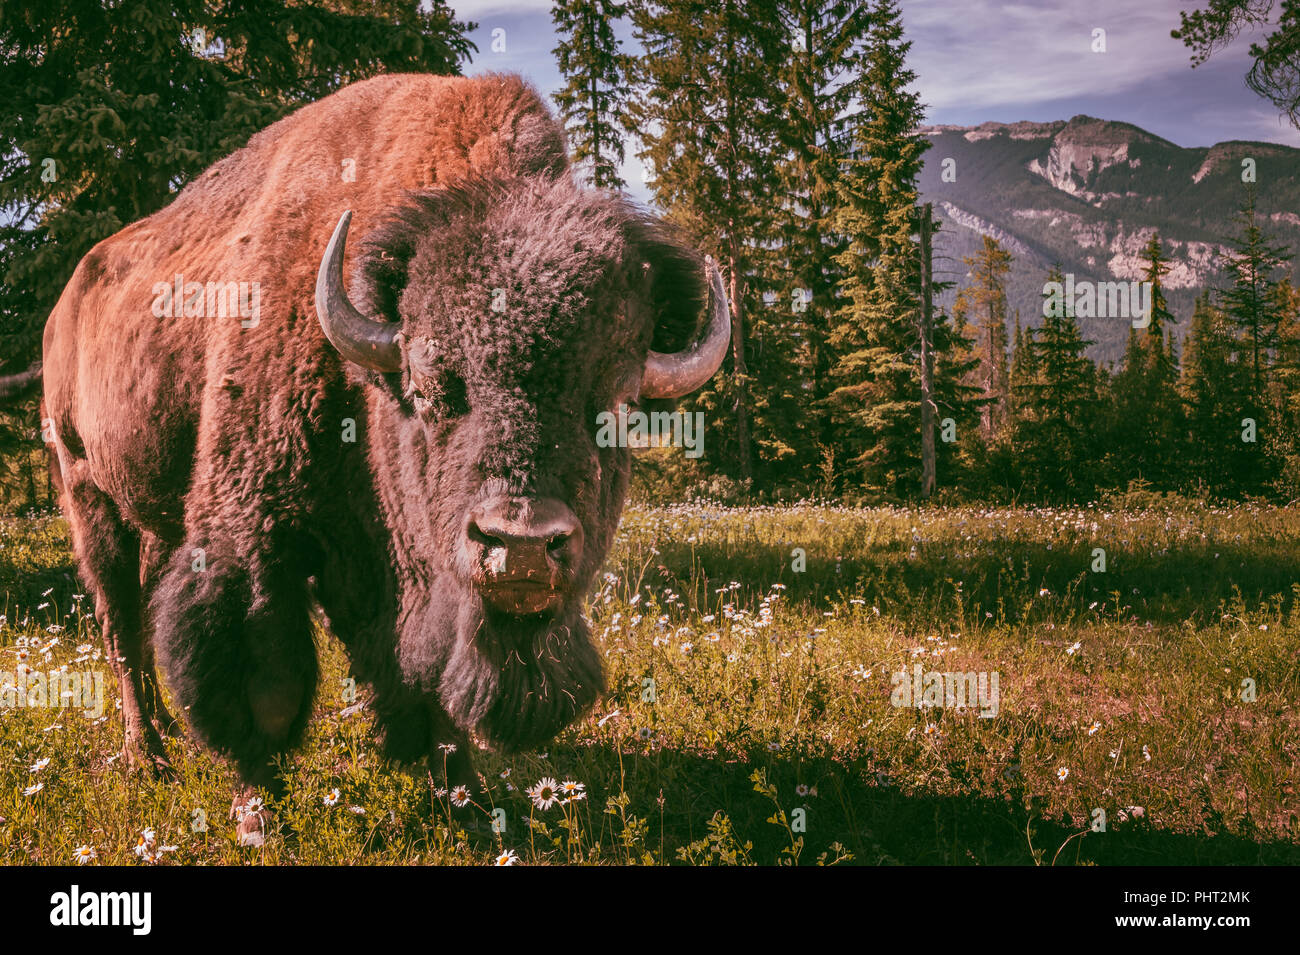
[[507, 316]]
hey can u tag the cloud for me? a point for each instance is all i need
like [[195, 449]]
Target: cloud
[[481, 10], [991, 54]]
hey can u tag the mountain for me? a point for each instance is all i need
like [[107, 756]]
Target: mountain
[[1088, 194]]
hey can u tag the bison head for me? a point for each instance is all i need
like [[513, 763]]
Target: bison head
[[503, 317]]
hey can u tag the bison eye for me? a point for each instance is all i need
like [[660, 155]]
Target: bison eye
[[442, 394]]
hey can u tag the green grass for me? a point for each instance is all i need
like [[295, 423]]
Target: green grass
[[771, 694]]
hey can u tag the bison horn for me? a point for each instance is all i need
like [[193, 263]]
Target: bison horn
[[367, 342], [680, 373]]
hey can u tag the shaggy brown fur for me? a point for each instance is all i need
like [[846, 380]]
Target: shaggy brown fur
[[205, 469]]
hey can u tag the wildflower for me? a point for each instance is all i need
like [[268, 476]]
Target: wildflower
[[545, 794], [147, 849], [460, 796], [332, 799], [33, 790], [40, 764], [356, 810], [508, 858], [645, 732], [573, 791], [1092, 730], [447, 748], [251, 807], [801, 790], [1146, 754], [1062, 773], [1073, 649], [84, 854]]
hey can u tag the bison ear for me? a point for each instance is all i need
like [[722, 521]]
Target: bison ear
[[673, 278]]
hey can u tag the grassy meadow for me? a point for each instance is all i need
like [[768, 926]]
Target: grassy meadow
[[749, 716]]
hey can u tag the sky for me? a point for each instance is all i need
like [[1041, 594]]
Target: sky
[[982, 60]]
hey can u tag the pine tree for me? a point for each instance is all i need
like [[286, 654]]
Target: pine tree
[[958, 401], [1285, 401], [986, 300], [1054, 433], [1215, 386], [1147, 426], [592, 102], [1023, 368], [816, 85], [1250, 300], [876, 341], [703, 107], [1250, 303]]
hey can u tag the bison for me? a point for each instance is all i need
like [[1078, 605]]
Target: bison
[[253, 423]]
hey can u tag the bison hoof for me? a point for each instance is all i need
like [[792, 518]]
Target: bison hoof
[[165, 724], [150, 759], [253, 819]]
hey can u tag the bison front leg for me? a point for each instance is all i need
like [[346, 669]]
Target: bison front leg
[[234, 639]]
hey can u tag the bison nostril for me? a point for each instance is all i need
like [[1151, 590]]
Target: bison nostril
[[531, 539]]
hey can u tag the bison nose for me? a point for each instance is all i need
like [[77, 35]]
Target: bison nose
[[527, 549]]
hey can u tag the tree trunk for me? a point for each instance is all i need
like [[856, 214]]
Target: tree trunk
[[735, 292], [927, 363]]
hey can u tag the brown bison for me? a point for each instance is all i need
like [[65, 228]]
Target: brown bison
[[239, 439]]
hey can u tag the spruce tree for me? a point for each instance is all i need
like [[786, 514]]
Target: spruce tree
[[1250, 299], [1215, 387], [816, 80], [1285, 402], [986, 300], [1147, 432], [703, 107], [1054, 439], [592, 101], [876, 341]]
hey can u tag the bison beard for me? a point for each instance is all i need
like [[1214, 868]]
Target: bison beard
[[515, 681]]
